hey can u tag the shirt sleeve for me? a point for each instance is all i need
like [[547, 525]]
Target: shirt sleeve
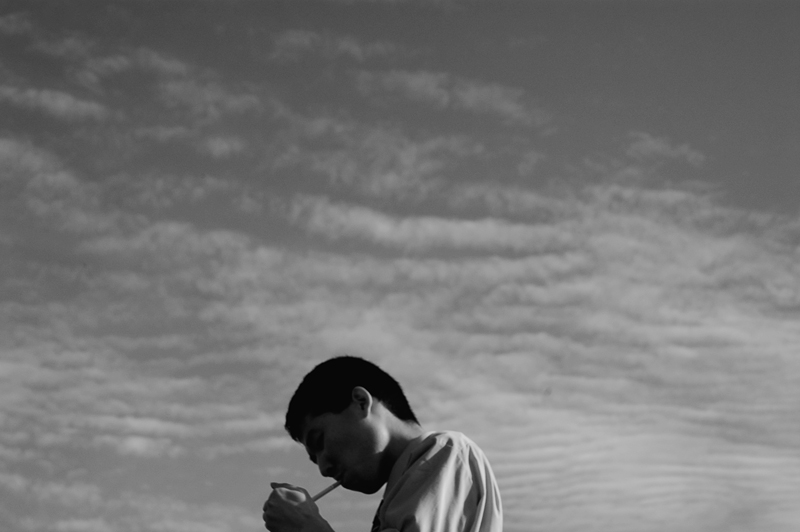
[[437, 494]]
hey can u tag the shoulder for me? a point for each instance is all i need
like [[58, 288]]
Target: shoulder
[[442, 446], [453, 440], [433, 458], [448, 440], [435, 453]]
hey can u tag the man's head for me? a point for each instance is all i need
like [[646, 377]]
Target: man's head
[[329, 388], [353, 419]]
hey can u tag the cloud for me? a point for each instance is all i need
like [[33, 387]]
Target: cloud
[[83, 51], [376, 160], [51, 192], [72, 47], [517, 202], [223, 147], [164, 134], [82, 367], [96, 510], [19, 157], [185, 243], [640, 368], [260, 446], [425, 233], [142, 418], [623, 351], [168, 191], [530, 161], [428, 87], [644, 146], [83, 525], [293, 45], [496, 99], [15, 24], [446, 91], [72, 494], [96, 69], [43, 187], [55, 103], [139, 446], [207, 102], [159, 62], [437, 3]]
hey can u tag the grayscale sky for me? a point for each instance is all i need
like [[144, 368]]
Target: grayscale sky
[[570, 229]]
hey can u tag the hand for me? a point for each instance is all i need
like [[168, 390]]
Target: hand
[[290, 509]]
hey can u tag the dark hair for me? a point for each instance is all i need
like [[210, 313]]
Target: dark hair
[[329, 386]]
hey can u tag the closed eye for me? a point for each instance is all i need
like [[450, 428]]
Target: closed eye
[[315, 446]]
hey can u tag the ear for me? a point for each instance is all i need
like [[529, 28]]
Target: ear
[[362, 400]]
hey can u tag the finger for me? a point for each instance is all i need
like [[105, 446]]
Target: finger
[[276, 485], [288, 492], [272, 500]]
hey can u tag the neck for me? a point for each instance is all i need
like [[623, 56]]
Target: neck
[[400, 435]]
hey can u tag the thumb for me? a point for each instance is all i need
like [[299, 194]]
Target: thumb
[[284, 485], [289, 493]]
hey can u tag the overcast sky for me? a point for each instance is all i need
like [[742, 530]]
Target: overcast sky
[[571, 230]]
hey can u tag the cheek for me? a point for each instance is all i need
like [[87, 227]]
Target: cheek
[[363, 453], [350, 453], [338, 450]]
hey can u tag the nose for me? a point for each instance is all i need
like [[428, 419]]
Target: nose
[[326, 467]]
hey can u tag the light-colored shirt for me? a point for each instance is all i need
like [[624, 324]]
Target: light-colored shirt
[[442, 482]]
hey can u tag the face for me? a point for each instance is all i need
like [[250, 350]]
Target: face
[[347, 446]]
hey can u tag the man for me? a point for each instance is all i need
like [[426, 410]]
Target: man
[[357, 426]]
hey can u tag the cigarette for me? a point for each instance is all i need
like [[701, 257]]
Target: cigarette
[[324, 492]]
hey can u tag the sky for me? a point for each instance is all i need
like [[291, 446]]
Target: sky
[[571, 230]]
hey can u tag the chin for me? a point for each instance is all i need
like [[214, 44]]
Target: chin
[[369, 489]]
